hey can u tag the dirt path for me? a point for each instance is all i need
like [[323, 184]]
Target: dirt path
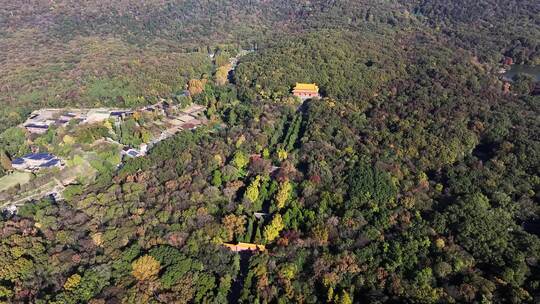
[[43, 190]]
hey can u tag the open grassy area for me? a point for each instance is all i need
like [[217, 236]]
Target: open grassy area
[[12, 180], [46, 182]]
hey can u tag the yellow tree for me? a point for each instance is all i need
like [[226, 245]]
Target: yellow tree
[[5, 161], [271, 232], [320, 234], [283, 194], [222, 74], [344, 299], [252, 192], [234, 224], [68, 139], [137, 115], [145, 268], [72, 282], [196, 86], [107, 124], [282, 154]]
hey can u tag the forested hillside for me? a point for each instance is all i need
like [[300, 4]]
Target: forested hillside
[[414, 179], [127, 53], [487, 27]]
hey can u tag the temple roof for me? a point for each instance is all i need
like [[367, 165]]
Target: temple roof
[[245, 246], [306, 87]]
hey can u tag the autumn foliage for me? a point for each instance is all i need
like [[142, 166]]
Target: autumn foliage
[[196, 86], [145, 268]]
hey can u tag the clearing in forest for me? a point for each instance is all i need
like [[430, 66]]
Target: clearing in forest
[[13, 179]]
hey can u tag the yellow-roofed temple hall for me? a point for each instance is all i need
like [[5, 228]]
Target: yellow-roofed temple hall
[[306, 90], [244, 247]]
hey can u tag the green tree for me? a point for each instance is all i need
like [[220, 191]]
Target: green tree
[[216, 178], [482, 230], [370, 184], [240, 160], [523, 84], [13, 142]]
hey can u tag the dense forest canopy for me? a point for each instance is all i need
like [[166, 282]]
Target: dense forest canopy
[[510, 26], [414, 179]]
